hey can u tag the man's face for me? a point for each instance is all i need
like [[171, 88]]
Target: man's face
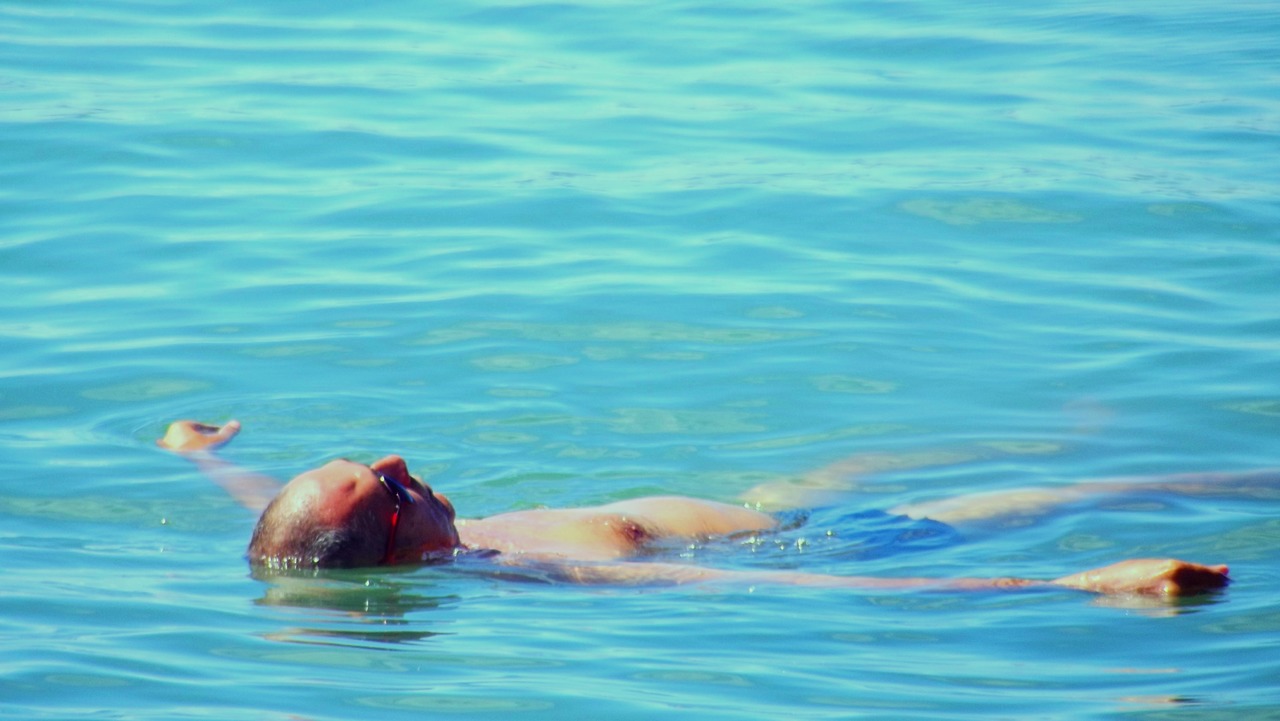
[[415, 521], [424, 522]]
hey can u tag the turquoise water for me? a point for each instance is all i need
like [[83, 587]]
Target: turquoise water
[[577, 252]]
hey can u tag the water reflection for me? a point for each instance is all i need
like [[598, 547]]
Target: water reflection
[[355, 607], [383, 606], [1160, 606]]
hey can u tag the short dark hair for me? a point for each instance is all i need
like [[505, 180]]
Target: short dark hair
[[288, 536]]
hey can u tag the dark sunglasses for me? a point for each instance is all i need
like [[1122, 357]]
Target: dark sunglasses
[[397, 489], [401, 495]]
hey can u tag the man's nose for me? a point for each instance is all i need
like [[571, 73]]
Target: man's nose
[[393, 467]]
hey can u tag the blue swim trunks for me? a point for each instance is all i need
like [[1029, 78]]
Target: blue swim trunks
[[825, 536]]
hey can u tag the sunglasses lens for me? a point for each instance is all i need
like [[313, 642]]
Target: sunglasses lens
[[400, 492]]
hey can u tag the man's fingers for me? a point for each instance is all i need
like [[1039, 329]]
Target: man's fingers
[[228, 430], [190, 436]]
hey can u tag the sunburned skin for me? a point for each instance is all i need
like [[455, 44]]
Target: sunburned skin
[[609, 532]]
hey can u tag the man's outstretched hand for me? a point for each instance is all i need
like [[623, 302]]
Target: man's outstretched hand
[[196, 440], [193, 436], [1149, 577]]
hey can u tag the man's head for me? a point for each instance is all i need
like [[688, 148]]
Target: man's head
[[348, 515]]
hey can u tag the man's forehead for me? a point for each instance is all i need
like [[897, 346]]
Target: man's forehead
[[337, 471]]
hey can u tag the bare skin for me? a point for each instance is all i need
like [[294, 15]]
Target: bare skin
[[593, 544], [839, 480]]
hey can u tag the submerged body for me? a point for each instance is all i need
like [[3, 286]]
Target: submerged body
[[347, 514]]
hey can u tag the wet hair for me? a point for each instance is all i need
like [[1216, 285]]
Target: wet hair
[[289, 536]]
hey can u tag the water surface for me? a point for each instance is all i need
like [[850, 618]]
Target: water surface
[[572, 253]]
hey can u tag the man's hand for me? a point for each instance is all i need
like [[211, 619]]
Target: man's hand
[[191, 436], [1149, 577], [194, 440]]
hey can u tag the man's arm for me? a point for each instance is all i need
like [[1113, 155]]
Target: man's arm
[[990, 507], [196, 442], [1147, 577], [835, 482]]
